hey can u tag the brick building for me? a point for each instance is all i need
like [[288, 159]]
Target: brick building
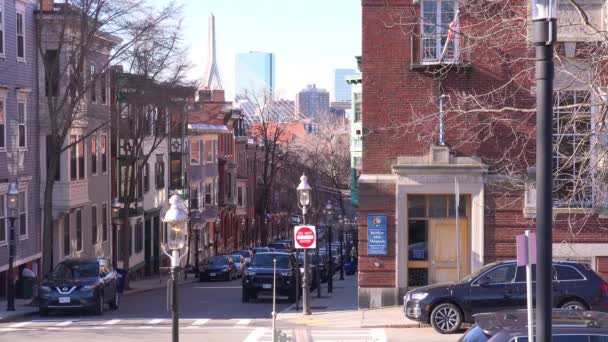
[[425, 140]]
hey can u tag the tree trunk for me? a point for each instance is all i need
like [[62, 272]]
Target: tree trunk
[[47, 231]]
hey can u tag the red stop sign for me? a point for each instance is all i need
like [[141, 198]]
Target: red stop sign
[[305, 237]]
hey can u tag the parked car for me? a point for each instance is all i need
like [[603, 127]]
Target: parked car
[[218, 267], [567, 326], [259, 275], [245, 254], [279, 246], [502, 286], [260, 250], [312, 268], [79, 284], [239, 264]]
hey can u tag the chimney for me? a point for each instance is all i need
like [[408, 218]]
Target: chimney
[[218, 95], [204, 95], [47, 5]]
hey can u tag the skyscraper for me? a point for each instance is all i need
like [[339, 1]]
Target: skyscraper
[[312, 101], [342, 90], [254, 71]]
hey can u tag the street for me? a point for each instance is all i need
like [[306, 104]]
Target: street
[[210, 310]]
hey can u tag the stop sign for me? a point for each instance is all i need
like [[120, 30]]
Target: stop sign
[[305, 237]]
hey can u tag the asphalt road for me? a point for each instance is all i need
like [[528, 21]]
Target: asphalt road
[[209, 311]]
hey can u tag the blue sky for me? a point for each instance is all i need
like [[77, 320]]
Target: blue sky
[[309, 38]]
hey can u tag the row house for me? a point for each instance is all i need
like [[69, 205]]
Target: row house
[[448, 139], [81, 196], [147, 161], [19, 148]]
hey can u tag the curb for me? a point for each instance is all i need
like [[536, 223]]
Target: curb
[[159, 286], [11, 318]]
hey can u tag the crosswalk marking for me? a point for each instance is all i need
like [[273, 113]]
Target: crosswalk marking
[[243, 322], [378, 335], [20, 325], [256, 334], [64, 324], [200, 321], [155, 321], [111, 322]]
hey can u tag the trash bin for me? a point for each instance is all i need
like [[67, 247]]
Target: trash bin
[[122, 274], [26, 287]]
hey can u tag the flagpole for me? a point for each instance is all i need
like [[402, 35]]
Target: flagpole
[[457, 205]]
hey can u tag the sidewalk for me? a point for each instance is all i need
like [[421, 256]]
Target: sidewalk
[[339, 309], [23, 307]]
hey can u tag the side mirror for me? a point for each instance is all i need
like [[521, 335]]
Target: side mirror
[[484, 281]]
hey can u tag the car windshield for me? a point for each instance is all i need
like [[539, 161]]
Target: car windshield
[[236, 257], [478, 272], [76, 270], [265, 260], [219, 260]]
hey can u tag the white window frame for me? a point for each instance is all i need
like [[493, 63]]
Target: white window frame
[[195, 141], [23, 102], [94, 209], [441, 31], [22, 211], [243, 190], [92, 84], [2, 31], [208, 183], [3, 217], [81, 142], [103, 139], [20, 11], [104, 216], [76, 212]]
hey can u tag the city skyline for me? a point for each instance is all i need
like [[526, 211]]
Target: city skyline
[[255, 70], [310, 58]]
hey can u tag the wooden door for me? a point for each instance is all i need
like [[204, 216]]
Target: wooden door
[[442, 250]]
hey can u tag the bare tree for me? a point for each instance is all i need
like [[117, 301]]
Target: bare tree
[[70, 35], [496, 121]]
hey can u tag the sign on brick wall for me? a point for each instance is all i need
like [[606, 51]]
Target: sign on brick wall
[[377, 235]]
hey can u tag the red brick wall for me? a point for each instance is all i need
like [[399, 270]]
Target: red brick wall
[[602, 266]]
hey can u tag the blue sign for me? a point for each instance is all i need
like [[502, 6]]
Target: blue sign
[[377, 235]]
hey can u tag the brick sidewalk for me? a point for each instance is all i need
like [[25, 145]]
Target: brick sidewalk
[[339, 309]]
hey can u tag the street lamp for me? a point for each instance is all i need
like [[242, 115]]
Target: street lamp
[[255, 232], [544, 37], [176, 219], [243, 232], [216, 233], [13, 213], [341, 240], [116, 205], [304, 201], [329, 211]]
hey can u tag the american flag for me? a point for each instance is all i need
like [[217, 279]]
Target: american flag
[[453, 28]]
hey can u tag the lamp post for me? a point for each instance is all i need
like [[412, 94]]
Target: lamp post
[[255, 232], [13, 213], [176, 219], [243, 232], [116, 205], [329, 212], [304, 201], [341, 240], [216, 234], [544, 36]]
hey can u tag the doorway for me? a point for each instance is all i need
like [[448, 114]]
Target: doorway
[[434, 227]]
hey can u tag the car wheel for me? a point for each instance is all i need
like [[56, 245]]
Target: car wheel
[[446, 318], [99, 305], [43, 312], [574, 305], [245, 296], [115, 302]]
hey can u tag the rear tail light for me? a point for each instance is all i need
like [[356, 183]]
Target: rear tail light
[[604, 289]]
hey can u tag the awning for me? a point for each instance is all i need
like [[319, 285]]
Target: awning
[[208, 128]]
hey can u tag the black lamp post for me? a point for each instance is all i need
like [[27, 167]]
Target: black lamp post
[[329, 212], [544, 36], [116, 205], [13, 214], [341, 240], [176, 219], [216, 234], [304, 202], [255, 233], [243, 232]]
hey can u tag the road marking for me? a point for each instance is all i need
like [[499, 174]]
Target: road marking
[[255, 335], [243, 322], [64, 324], [111, 322], [201, 321], [19, 325], [378, 335], [217, 287], [155, 321]]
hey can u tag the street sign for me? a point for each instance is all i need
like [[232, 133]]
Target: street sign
[[295, 219], [377, 236], [305, 237], [523, 243]]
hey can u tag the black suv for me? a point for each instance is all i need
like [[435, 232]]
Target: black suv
[[79, 284], [502, 286], [258, 276], [512, 326]]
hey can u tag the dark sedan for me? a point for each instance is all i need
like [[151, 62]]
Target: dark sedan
[[258, 277], [512, 326], [501, 286], [218, 267], [79, 284]]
